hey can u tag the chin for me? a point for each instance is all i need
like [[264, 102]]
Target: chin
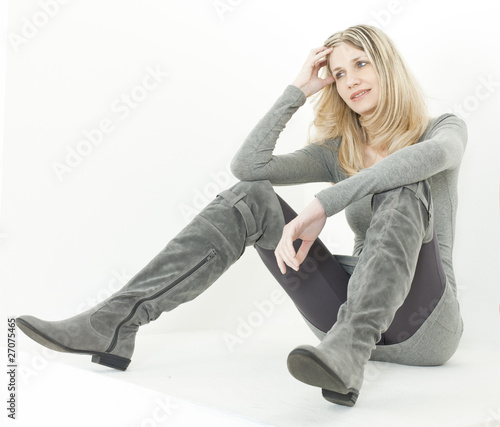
[[367, 112]]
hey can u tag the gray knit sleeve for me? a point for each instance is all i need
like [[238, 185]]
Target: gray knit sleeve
[[254, 159], [442, 149]]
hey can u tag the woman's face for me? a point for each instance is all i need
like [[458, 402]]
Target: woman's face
[[354, 74]]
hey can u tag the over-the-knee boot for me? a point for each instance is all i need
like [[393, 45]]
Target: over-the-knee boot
[[247, 213], [401, 222]]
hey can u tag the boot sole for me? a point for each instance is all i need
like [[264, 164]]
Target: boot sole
[[348, 399], [306, 366], [105, 359]]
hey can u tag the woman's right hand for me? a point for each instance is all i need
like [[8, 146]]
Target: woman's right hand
[[307, 80]]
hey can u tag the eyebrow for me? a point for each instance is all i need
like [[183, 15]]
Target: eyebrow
[[352, 60]]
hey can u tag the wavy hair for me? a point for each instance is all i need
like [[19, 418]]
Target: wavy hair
[[400, 117]]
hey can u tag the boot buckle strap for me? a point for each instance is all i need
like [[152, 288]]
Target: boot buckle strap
[[426, 201], [235, 200]]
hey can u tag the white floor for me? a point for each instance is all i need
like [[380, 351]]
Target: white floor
[[191, 379]]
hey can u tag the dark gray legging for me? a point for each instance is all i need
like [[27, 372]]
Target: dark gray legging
[[319, 288]]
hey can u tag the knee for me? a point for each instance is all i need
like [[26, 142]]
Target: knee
[[258, 203], [415, 194], [413, 202], [258, 187], [252, 193]]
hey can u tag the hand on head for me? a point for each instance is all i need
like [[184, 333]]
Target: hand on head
[[308, 80]]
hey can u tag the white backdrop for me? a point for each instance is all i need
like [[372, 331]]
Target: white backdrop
[[168, 90]]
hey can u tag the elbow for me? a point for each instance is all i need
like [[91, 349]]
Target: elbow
[[237, 169], [245, 171]]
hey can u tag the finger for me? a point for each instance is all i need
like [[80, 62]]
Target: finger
[[290, 251], [291, 261], [286, 261], [323, 52], [285, 257], [317, 64], [328, 81], [317, 49], [279, 261], [303, 251], [321, 48], [316, 54], [279, 254], [320, 64], [285, 244]]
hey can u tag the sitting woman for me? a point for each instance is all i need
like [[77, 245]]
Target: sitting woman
[[394, 170]]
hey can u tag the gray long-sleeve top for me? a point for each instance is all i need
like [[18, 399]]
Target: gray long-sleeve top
[[436, 157]]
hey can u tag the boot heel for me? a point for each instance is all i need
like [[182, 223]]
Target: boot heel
[[348, 399], [111, 361]]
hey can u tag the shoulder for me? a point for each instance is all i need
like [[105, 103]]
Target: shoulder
[[446, 119], [447, 122]]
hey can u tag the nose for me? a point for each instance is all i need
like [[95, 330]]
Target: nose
[[352, 80]]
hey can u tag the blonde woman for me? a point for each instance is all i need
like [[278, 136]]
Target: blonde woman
[[394, 171]]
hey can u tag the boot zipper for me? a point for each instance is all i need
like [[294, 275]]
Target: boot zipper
[[207, 258]]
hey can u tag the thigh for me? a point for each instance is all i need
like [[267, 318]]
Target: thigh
[[426, 290], [319, 287]]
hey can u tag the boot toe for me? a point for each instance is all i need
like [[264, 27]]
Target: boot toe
[[43, 333], [62, 336], [72, 335]]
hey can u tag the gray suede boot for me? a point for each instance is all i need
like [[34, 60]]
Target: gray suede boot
[[401, 223], [247, 213]]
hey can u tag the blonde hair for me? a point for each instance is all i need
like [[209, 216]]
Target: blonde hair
[[400, 117]]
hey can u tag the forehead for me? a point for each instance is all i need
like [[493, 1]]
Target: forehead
[[343, 54]]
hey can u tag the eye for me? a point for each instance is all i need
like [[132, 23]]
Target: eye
[[359, 64]]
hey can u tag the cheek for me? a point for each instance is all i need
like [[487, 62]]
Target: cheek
[[343, 93], [374, 81]]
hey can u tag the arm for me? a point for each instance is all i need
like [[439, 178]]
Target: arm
[[306, 226], [442, 150], [254, 160]]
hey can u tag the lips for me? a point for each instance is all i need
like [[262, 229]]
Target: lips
[[359, 92]]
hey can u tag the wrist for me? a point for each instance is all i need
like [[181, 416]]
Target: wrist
[[302, 87], [319, 210]]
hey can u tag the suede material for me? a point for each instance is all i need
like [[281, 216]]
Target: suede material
[[379, 283], [75, 333], [432, 344], [187, 266], [180, 257]]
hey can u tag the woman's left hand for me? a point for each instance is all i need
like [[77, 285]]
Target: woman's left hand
[[306, 226]]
